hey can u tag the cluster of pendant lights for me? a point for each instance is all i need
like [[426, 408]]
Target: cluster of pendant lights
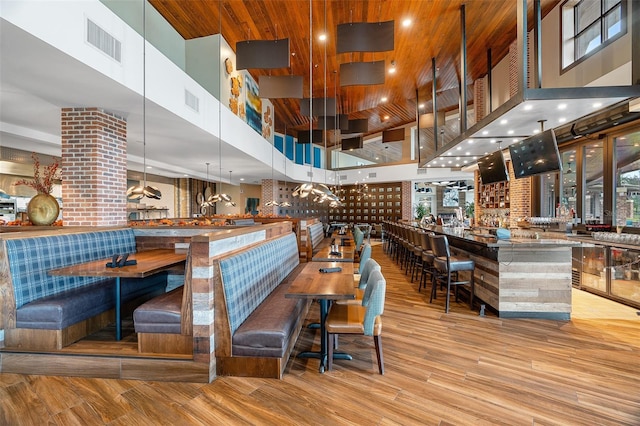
[[206, 199], [137, 192]]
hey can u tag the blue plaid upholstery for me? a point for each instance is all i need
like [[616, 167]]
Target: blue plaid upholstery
[[316, 233], [373, 300], [31, 258], [250, 276]]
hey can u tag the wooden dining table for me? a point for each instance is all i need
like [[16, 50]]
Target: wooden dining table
[[148, 263], [325, 287], [346, 254]]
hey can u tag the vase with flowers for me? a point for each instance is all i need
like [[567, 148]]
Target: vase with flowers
[[43, 209]]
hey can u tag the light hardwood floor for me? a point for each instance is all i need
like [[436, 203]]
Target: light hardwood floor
[[455, 369]]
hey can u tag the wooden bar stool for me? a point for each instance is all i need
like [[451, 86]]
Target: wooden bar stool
[[447, 268]]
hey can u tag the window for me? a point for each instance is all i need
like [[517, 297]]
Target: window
[[627, 194], [589, 25]]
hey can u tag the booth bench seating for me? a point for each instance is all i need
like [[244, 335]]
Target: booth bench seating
[[43, 312], [315, 239], [256, 327]]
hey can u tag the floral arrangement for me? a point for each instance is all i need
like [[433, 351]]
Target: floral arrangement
[[43, 184]]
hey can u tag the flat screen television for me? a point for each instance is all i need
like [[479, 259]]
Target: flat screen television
[[536, 154], [493, 168]]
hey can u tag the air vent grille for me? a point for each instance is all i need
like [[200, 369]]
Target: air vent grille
[[342, 177], [372, 175], [422, 171], [104, 41], [191, 100]]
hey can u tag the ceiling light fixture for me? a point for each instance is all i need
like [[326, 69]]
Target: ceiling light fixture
[[137, 192]]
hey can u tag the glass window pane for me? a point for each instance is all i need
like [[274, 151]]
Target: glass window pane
[[608, 4], [627, 198], [548, 195], [587, 12], [593, 174], [569, 175], [613, 23], [588, 40]]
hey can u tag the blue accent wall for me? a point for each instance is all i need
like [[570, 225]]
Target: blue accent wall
[[278, 142], [307, 153], [289, 147], [317, 157], [299, 153]]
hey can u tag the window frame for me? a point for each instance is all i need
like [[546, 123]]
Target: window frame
[[601, 19]]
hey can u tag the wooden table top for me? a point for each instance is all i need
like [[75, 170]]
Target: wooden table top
[[314, 267], [312, 284], [324, 255], [149, 262]]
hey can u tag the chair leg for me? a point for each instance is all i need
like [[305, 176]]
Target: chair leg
[[446, 306], [377, 340], [330, 352]]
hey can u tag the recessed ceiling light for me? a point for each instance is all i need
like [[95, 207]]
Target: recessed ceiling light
[[457, 158], [421, 147], [383, 99], [467, 153], [406, 22], [186, 175], [377, 158], [392, 70], [459, 148], [470, 140], [561, 120], [386, 117], [510, 132], [562, 106], [322, 37], [242, 179], [442, 165], [465, 162], [475, 158], [486, 132], [450, 162], [486, 153], [457, 164], [492, 141], [528, 107], [503, 121], [421, 106], [515, 140], [597, 104], [149, 167], [536, 131]]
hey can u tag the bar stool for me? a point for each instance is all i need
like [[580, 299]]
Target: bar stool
[[447, 268], [427, 272]]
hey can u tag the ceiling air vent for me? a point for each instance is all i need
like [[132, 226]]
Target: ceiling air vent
[[342, 177], [104, 41], [309, 174], [191, 100], [422, 171], [372, 175]]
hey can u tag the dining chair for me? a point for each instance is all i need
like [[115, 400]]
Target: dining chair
[[364, 256], [370, 266], [447, 268], [364, 319]]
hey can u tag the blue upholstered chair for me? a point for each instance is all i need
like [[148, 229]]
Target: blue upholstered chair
[[370, 266], [362, 319], [364, 256]]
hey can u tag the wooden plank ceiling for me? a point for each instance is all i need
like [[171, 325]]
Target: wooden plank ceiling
[[434, 32]]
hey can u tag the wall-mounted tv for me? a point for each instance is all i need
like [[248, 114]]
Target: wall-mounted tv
[[493, 168], [536, 154]]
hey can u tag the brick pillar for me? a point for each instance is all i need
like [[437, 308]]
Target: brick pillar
[[269, 193], [513, 65], [519, 196], [94, 167], [479, 98], [184, 198], [407, 198]]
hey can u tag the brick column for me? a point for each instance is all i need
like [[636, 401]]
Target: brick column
[[479, 98], [184, 198], [407, 198], [94, 167], [269, 193]]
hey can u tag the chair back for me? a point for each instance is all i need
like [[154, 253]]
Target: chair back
[[424, 240], [373, 300], [358, 237], [369, 266], [440, 246], [364, 256]]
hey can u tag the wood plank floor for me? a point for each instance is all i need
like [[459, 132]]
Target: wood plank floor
[[455, 369]]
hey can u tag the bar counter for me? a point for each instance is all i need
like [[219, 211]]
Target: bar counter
[[518, 278]]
